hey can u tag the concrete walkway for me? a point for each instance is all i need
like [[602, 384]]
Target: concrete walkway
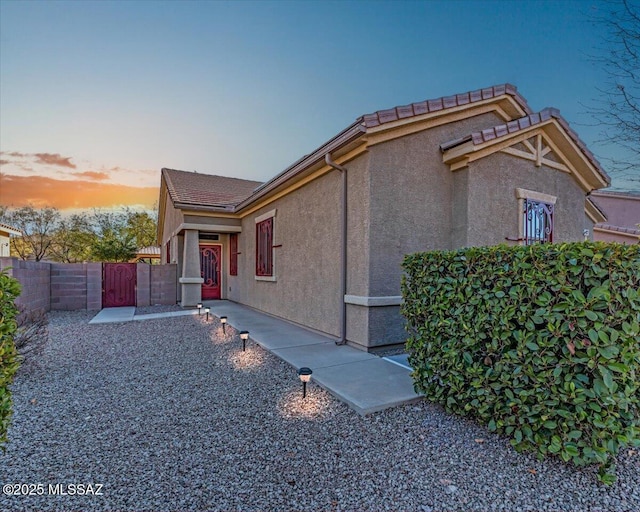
[[365, 382]]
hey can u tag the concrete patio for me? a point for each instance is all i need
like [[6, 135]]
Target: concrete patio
[[365, 382]]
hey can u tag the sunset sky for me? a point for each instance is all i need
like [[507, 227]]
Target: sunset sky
[[96, 97]]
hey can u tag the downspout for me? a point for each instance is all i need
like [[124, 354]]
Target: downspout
[[343, 258]]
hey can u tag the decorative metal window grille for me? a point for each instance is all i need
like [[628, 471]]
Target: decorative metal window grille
[[233, 254], [264, 247], [210, 265], [538, 222]]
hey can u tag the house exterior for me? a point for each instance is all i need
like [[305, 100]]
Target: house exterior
[[622, 216], [321, 243], [6, 232]]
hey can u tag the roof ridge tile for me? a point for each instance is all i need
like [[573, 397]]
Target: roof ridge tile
[[380, 117]]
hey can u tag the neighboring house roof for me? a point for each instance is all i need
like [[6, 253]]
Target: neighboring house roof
[[594, 212], [150, 251], [460, 149], [609, 227], [4, 228], [197, 189], [622, 211]]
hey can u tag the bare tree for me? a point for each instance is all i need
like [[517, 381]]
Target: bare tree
[[37, 226], [617, 110]]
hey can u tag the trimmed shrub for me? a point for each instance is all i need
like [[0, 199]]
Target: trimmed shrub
[[9, 290], [540, 343]]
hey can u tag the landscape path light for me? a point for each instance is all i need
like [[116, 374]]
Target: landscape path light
[[244, 336], [305, 376], [223, 321], [199, 306], [206, 310]]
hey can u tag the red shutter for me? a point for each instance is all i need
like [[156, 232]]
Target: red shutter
[[233, 254]]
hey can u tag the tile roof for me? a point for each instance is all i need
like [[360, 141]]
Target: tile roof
[[197, 189], [523, 123], [442, 103], [609, 227]]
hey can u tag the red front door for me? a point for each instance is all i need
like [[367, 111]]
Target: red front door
[[210, 271]]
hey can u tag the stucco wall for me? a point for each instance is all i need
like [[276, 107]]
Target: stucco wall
[[411, 209], [493, 212], [172, 219], [307, 263], [411, 199], [4, 246]]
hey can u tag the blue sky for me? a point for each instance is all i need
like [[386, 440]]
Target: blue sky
[[122, 89]]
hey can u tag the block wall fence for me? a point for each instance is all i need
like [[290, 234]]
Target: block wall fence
[[71, 286]]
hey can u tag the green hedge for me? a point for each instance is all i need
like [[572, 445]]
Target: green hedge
[[541, 343], [9, 290]]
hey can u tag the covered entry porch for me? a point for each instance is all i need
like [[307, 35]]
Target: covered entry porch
[[202, 254]]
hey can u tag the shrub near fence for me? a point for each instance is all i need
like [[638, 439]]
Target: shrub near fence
[[9, 290], [541, 343]]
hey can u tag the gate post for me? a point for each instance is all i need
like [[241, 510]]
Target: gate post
[[143, 288]]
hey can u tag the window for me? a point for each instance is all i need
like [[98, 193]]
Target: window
[[536, 216], [264, 248], [538, 222], [233, 254], [169, 251]]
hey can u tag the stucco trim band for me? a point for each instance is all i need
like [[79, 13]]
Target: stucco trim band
[[266, 278], [191, 280], [359, 300], [208, 227], [265, 216], [523, 193]]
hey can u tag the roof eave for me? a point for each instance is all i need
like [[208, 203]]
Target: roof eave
[[203, 208], [594, 212], [345, 137]]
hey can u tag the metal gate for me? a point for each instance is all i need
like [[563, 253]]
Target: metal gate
[[210, 271], [118, 284]]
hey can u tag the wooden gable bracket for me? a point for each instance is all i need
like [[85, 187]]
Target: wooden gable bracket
[[536, 152], [461, 155]]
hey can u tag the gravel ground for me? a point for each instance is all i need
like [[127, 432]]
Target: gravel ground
[[171, 415]]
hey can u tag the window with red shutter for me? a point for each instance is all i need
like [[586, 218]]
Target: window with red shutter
[[264, 248]]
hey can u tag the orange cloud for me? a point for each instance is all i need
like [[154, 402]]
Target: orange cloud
[[92, 175], [54, 159], [39, 191]]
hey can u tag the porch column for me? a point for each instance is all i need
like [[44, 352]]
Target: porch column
[[178, 242], [190, 280]]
